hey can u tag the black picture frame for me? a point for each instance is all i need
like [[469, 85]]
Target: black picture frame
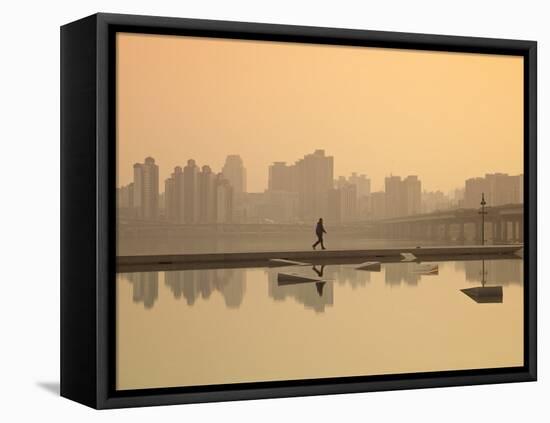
[[88, 209]]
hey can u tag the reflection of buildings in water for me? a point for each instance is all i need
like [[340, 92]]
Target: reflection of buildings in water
[[396, 273], [502, 272], [312, 295], [231, 283], [145, 287], [347, 274]]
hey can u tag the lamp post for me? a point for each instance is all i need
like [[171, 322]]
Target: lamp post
[[483, 274], [482, 212]]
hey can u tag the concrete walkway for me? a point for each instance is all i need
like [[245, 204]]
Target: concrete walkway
[[261, 259]]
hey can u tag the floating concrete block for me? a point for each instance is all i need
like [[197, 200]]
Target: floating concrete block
[[484, 294], [427, 269], [284, 262], [292, 278], [373, 266]]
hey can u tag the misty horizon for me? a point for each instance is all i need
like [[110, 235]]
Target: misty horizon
[[442, 116]]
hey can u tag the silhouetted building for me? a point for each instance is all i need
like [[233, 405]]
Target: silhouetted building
[[342, 204], [191, 192], [474, 187], [224, 200], [207, 195], [310, 177], [456, 198], [234, 171], [125, 201], [173, 193], [315, 174], [280, 177], [434, 201], [125, 196], [362, 184], [394, 197], [499, 189], [402, 196], [412, 191], [146, 189], [378, 205]]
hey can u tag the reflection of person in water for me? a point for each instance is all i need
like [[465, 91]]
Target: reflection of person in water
[[320, 286], [319, 271], [319, 231]]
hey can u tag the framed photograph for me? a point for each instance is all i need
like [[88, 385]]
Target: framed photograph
[[257, 210]]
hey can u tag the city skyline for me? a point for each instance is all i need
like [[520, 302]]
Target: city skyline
[[300, 191], [380, 186]]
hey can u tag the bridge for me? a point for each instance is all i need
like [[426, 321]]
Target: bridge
[[502, 224]]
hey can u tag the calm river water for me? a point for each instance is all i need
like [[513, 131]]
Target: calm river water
[[198, 327]]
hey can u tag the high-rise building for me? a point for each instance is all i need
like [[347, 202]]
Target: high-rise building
[[499, 189], [434, 201], [402, 196], [314, 175], [362, 184], [474, 187], [170, 199], [234, 171], [280, 177], [504, 189], [224, 200], [125, 201], [125, 196], [456, 198], [342, 204], [412, 192], [207, 195], [173, 192], [378, 205], [146, 189], [394, 197], [191, 192]]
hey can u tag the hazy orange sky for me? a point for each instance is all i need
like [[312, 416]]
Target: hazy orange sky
[[442, 116]]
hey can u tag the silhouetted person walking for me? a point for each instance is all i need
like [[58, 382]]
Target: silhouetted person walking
[[319, 231]]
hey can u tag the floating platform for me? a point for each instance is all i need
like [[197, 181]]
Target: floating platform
[[372, 266], [485, 294], [293, 278], [427, 269]]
